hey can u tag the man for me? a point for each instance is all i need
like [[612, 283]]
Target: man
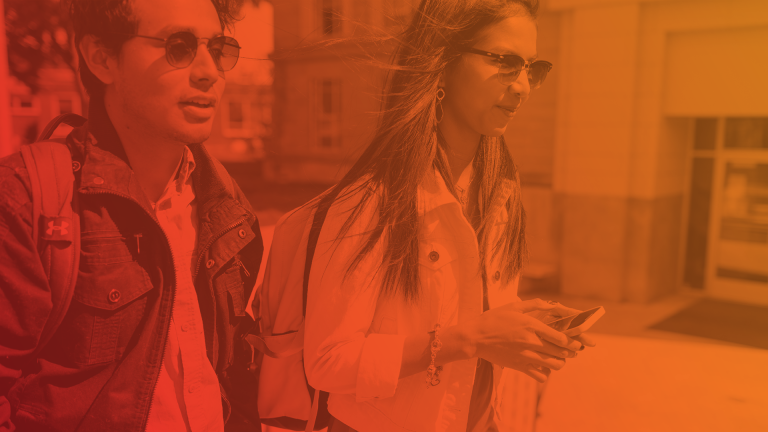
[[170, 247]]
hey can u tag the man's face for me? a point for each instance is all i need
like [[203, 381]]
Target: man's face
[[170, 103]]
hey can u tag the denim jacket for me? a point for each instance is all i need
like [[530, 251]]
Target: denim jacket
[[99, 370]]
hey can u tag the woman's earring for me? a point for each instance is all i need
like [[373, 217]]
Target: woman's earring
[[439, 105]]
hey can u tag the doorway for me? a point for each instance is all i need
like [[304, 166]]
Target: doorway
[[727, 242]]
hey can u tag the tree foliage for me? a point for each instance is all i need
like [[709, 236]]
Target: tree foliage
[[39, 35]]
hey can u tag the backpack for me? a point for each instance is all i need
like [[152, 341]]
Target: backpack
[[55, 220], [286, 399]]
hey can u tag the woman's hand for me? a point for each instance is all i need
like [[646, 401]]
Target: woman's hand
[[506, 336], [557, 312]]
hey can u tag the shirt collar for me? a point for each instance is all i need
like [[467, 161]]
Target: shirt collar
[[181, 180], [433, 193]]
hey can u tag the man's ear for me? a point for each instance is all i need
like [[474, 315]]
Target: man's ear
[[98, 59]]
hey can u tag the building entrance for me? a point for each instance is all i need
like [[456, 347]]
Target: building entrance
[[729, 196]]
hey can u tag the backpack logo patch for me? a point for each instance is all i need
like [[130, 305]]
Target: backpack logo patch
[[56, 228]]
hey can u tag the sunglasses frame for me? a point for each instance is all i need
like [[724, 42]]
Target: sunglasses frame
[[197, 44], [500, 57]]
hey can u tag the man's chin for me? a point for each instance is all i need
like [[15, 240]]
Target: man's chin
[[193, 134]]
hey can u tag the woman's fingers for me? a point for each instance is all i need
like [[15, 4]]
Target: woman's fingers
[[532, 305], [558, 338], [549, 348], [539, 374], [544, 360], [586, 340], [563, 311]]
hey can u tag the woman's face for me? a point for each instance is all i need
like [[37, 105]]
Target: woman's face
[[476, 102]]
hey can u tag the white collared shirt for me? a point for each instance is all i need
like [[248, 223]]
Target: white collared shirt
[[354, 339], [187, 397]]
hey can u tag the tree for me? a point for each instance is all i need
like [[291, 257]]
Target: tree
[[39, 34]]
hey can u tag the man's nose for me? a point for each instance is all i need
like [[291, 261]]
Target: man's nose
[[204, 70]]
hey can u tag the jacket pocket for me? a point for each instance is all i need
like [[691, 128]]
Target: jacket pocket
[[230, 284], [109, 298]]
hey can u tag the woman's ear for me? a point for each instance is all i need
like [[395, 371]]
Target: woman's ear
[[98, 59], [441, 80]]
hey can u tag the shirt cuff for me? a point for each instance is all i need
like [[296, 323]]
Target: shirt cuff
[[379, 368]]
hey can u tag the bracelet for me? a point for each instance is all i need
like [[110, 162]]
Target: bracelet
[[433, 372]]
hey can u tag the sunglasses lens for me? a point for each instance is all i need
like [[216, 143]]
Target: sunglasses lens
[[537, 73], [180, 49], [225, 52], [509, 69]]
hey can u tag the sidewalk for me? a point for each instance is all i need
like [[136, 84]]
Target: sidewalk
[[638, 379]]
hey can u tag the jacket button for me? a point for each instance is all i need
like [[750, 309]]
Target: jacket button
[[98, 180], [497, 275], [185, 327], [75, 166], [194, 388], [210, 263], [242, 233], [114, 296], [434, 256]]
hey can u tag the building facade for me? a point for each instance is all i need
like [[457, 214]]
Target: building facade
[[644, 157]]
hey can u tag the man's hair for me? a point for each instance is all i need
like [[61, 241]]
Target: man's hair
[[112, 22]]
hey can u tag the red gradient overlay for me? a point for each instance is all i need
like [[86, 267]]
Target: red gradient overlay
[[643, 164]]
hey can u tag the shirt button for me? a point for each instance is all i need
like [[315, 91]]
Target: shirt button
[[185, 327], [98, 180], [497, 275], [434, 256], [242, 233], [114, 296], [210, 263]]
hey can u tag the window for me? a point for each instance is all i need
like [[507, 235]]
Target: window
[[65, 106], [236, 117], [330, 12], [400, 12], [329, 113], [746, 133], [25, 105]]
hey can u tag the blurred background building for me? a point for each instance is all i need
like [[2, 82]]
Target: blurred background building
[[243, 127], [644, 157]]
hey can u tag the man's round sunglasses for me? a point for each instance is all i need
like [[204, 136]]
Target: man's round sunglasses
[[181, 49], [510, 66]]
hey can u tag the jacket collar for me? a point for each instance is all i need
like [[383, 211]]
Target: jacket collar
[[106, 169]]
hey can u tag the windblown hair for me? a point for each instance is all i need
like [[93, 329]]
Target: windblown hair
[[111, 21], [407, 146]]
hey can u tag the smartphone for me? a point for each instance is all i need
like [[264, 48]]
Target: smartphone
[[577, 324]]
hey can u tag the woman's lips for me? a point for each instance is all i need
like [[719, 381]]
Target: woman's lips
[[509, 111]]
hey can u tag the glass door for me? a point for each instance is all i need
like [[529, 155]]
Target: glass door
[[737, 261]]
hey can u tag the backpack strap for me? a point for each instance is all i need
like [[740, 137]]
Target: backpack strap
[[319, 411], [55, 220]]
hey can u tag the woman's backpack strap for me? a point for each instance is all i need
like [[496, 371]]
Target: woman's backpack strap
[[319, 415]]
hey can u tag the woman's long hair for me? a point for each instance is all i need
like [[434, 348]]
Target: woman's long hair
[[407, 146]]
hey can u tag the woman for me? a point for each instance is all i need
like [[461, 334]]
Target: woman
[[412, 310]]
